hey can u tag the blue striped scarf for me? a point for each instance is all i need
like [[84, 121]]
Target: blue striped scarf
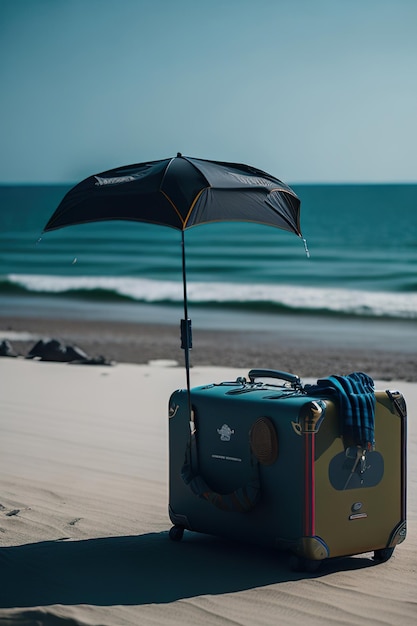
[[356, 396]]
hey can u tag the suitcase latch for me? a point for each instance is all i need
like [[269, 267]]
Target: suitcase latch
[[310, 417]]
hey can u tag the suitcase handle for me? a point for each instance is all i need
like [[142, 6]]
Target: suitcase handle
[[263, 373]]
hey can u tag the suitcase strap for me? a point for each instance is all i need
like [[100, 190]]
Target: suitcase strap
[[241, 500]]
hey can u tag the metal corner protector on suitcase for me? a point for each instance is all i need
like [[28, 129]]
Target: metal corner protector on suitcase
[[267, 464]]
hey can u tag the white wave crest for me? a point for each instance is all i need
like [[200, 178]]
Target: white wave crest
[[336, 300]]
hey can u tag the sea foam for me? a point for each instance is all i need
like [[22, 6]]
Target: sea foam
[[264, 296]]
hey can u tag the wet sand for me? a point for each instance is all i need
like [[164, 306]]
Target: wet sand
[[298, 347]]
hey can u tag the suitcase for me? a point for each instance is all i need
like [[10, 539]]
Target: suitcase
[[267, 461]]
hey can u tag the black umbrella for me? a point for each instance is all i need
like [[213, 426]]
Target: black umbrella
[[181, 192]]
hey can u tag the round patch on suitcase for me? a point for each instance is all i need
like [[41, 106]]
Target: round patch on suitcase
[[264, 441]]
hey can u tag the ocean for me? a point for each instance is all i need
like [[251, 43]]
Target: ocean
[[362, 262]]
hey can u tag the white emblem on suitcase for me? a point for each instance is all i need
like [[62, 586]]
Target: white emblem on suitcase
[[225, 432]]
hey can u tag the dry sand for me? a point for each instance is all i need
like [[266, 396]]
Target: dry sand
[[84, 522]]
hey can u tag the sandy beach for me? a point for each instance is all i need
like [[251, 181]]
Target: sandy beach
[[84, 490]]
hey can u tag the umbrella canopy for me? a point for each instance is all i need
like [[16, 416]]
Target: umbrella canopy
[[181, 192]]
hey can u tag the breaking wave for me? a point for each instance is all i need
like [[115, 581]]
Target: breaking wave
[[245, 296]]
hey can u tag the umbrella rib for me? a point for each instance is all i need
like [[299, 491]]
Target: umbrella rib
[[284, 191], [174, 207], [283, 217], [184, 221], [194, 203]]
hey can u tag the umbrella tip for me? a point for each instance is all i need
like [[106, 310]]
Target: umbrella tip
[[179, 154]]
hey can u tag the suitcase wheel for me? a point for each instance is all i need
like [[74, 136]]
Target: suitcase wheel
[[176, 533], [302, 564], [380, 556]]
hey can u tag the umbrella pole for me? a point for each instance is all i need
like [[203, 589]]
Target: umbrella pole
[[186, 335]]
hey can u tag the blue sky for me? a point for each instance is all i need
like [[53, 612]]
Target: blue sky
[[309, 90]]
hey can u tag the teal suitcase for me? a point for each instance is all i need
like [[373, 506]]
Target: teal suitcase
[[265, 461]]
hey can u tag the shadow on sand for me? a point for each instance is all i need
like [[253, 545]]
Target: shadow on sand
[[141, 569]]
